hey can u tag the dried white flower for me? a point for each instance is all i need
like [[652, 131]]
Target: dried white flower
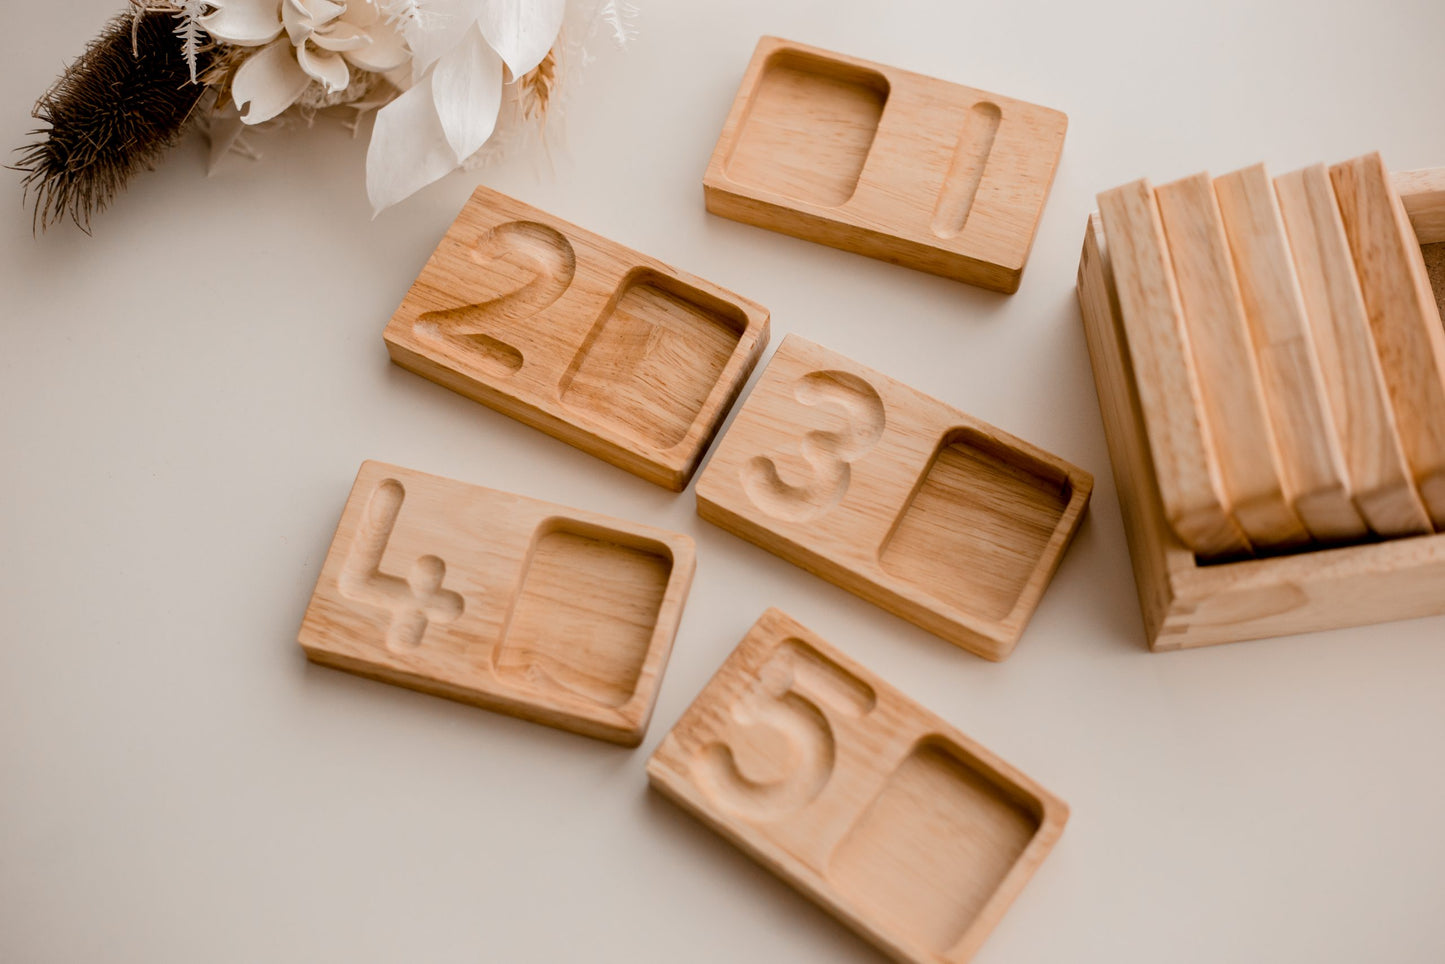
[[302, 41]]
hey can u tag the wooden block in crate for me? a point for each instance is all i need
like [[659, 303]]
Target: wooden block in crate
[[1236, 413], [1403, 316], [905, 829], [1142, 286], [887, 163], [1364, 420], [1186, 603], [593, 343], [551, 614], [930, 513], [1294, 389]]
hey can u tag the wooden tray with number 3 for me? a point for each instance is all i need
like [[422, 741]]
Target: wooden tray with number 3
[[911, 833], [917, 507]]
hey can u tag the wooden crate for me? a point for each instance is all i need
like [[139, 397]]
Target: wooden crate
[[1186, 603]]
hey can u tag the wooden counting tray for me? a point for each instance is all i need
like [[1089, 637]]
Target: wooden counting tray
[[604, 348], [885, 162], [1188, 602], [913, 505], [912, 834], [551, 614]]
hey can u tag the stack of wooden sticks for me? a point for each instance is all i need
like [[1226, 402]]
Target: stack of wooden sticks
[[1288, 355]]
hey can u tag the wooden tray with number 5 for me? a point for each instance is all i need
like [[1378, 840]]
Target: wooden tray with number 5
[[911, 833]]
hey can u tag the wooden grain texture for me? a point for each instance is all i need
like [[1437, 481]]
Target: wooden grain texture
[[1186, 603], [887, 163], [1364, 422], [1434, 255], [1422, 193], [1294, 389], [551, 614], [907, 502], [1403, 316], [1171, 398], [1223, 356], [1148, 531], [905, 829], [604, 348]]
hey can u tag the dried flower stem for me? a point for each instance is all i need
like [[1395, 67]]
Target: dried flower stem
[[536, 86]]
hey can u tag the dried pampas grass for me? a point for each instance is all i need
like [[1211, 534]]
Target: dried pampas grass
[[536, 87]]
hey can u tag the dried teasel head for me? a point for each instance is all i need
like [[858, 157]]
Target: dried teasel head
[[111, 113]]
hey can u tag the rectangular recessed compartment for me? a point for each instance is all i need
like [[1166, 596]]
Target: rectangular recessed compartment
[[596, 344], [586, 612], [934, 846], [653, 358], [907, 502], [551, 614], [887, 163], [978, 524], [912, 834], [1186, 603], [809, 126]]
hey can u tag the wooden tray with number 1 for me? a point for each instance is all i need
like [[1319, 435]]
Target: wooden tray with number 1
[[885, 162]]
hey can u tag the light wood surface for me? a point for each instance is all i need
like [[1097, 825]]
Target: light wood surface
[[1219, 346], [1423, 194], [1171, 398], [907, 502], [593, 343], [885, 162], [912, 834], [1364, 421], [551, 614], [1294, 390], [1403, 316], [1435, 268], [1186, 603]]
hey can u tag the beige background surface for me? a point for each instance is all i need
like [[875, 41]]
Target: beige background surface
[[185, 397]]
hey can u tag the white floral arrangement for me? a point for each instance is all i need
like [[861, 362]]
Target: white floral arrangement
[[450, 82]]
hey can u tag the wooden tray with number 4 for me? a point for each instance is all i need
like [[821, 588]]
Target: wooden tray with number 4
[[911, 833], [551, 614]]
